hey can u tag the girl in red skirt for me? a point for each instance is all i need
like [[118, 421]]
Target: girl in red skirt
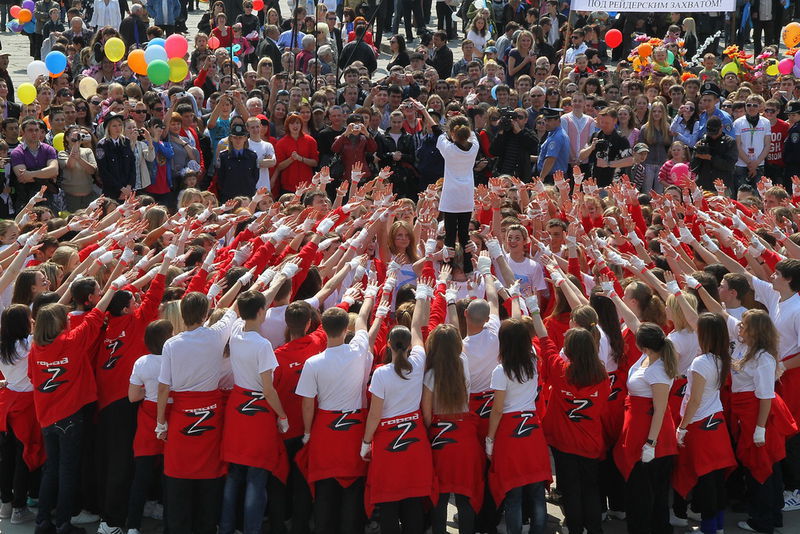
[[453, 431], [400, 477], [520, 465]]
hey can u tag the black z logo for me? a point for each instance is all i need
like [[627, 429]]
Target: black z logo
[[485, 409], [612, 378], [197, 428], [580, 405], [681, 391], [524, 428], [711, 423], [249, 407], [399, 444], [112, 348], [51, 384], [342, 423], [440, 441]]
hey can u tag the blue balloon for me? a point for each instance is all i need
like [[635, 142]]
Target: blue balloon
[[158, 41], [30, 27], [14, 26], [56, 62], [155, 52]]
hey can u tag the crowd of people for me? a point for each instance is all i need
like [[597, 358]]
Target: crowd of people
[[291, 288]]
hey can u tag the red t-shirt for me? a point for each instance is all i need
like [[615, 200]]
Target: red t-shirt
[[780, 130], [297, 172]]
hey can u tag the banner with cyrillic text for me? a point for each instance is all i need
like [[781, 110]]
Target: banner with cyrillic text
[[654, 6]]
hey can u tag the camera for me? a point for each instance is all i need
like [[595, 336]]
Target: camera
[[86, 137], [701, 148], [141, 134], [507, 115]]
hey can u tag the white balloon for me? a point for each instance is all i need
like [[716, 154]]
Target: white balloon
[[154, 52], [37, 68]]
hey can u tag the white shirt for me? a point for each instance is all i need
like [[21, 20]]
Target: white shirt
[[604, 352], [751, 139], [784, 314], [251, 355], [641, 379], [338, 375], [429, 381], [16, 374], [106, 14], [529, 273], [478, 39], [274, 326], [192, 360], [569, 57], [707, 366], [458, 191], [757, 375], [687, 347], [736, 312], [482, 350], [145, 373], [400, 395], [520, 397], [262, 149]]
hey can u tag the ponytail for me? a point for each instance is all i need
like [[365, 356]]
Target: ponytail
[[650, 336], [398, 347], [670, 358]]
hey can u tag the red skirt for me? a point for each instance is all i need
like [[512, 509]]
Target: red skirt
[[788, 387], [334, 450], [402, 463], [520, 454], [18, 413], [706, 448], [481, 405], [194, 437], [458, 457], [251, 436], [635, 427], [145, 443], [615, 409], [780, 425], [676, 394]]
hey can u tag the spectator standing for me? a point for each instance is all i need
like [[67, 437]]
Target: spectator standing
[[753, 135], [34, 163], [115, 160], [716, 155], [297, 156]]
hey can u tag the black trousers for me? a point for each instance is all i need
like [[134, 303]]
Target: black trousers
[[146, 471], [444, 19], [413, 7], [406, 516], [612, 485], [791, 464], [466, 515], [709, 496], [15, 477], [578, 483], [116, 429], [292, 500], [457, 225], [192, 506], [647, 497], [339, 510], [765, 501]]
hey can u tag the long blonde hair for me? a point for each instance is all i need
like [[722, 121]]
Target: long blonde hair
[[651, 127], [678, 318], [690, 27]]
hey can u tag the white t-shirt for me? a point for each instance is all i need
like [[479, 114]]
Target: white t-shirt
[[16, 374], [478, 39], [736, 312], [400, 395], [687, 347], [429, 381], [274, 326], [338, 375], [458, 191], [192, 360], [529, 273], [145, 373], [251, 355], [604, 352], [482, 352], [262, 148], [757, 375], [784, 314], [706, 365], [641, 379], [520, 397], [752, 139]]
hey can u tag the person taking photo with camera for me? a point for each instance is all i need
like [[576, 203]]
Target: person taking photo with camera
[[607, 150], [514, 144]]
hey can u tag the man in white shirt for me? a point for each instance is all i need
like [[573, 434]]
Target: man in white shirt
[[578, 127], [753, 135], [578, 46], [264, 151]]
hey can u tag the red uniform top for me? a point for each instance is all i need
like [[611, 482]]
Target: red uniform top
[[123, 344], [780, 131], [61, 372], [297, 172]]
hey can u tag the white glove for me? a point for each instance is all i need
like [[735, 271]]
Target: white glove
[[203, 217], [245, 278], [638, 264], [266, 277], [127, 256], [366, 448], [738, 223], [680, 435], [325, 244], [388, 287], [161, 429], [181, 278], [451, 295], [760, 436], [119, 283], [382, 311], [32, 240], [209, 260], [430, 246], [306, 225], [513, 291], [423, 292], [289, 270], [355, 176], [306, 437], [686, 235], [648, 453], [142, 263], [350, 206], [557, 278], [283, 425], [325, 226], [692, 282], [532, 303], [105, 258], [282, 233], [673, 287], [709, 244], [484, 265], [608, 288], [171, 253], [494, 248], [756, 248], [489, 443], [74, 226], [214, 290], [672, 240]]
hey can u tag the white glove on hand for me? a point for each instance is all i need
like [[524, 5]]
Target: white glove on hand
[[430, 246], [489, 444], [484, 265], [451, 295], [283, 425], [638, 264], [760, 436], [127, 256], [210, 257], [423, 292], [557, 278], [142, 263], [161, 430], [709, 244], [282, 233], [105, 258], [325, 226], [266, 277], [325, 244], [171, 253], [648, 453], [372, 291], [692, 282], [382, 311], [680, 435], [686, 235], [306, 437], [119, 283], [494, 248], [673, 287], [756, 248], [245, 278], [366, 449], [289, 270], [532, 303], [214, 290]]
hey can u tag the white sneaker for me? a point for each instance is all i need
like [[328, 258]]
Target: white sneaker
[[694, 516], [791, 501], [676, 521], [104, 528], [22, 515], [85, 517], [616, 514], [5, 510]]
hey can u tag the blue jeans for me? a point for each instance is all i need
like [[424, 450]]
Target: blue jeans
[[741, 177], [255, 498], [533, 494]]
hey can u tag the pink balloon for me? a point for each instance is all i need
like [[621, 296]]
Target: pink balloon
[[785, 66], [679, 173], [176, 45]]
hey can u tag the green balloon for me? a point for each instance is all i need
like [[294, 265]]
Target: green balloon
[[158, 72], [670, 57]]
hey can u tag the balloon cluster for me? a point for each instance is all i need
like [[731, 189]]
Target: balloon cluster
[[162, 61], [23, 17]]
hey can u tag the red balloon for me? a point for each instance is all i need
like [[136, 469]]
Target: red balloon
[[258, 5], [213, 43], [14, 11], [613, 38]]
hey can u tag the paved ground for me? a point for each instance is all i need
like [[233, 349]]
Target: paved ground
[[17, 46]]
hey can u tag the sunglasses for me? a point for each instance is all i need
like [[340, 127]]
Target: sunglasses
[[138, 111], [727, 105], [94, 102], [81, 108], [770, 110], [751, 105]]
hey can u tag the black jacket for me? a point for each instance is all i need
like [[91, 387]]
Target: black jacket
[[355, 51], [237, 175], [513, 151], [442, 61], [268, 47], [723, 159], [116, 165], [126, 30]]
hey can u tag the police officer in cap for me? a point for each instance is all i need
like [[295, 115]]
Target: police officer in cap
[[791, 150], [554, 152], [709, 106]]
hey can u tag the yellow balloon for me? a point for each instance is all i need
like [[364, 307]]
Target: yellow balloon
[[88, 87], [731, 67], [58, 141], [26, 93], [772, 70], [115, 49], [178, 69]]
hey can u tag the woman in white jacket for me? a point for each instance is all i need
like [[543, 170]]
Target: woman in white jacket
[[106, 13]]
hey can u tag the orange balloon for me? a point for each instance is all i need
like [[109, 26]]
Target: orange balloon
[[24, 15], [645, 49], [137, 63]]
